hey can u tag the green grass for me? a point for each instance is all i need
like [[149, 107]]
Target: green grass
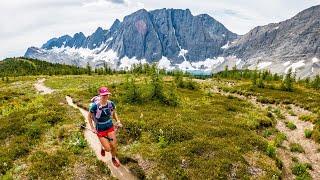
[[210, 133], [307, 133], [301, 96], [295, 159], [291, 125], [292, 113], [279, 138], [278, 113], [308, 117], [300, 170], [267, 133], [295, 147]]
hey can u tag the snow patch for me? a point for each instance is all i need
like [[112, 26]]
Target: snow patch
[[286, 63], [314, 60], [82, 52], [107, 56], [86, 53], [295, 66], [110, 39], [226, 46], [127, 63], [164, 63], [208, 64], [185, 65], [263, 65], [238, 62], [183, 52]]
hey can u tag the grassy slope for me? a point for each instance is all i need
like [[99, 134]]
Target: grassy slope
[[207, 136], [301, 96], [40, 136], [304, 97], [27, 66]]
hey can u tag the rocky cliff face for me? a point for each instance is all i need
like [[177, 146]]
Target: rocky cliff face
[[167, 32], [175, 38], [174, 34], [294, 43]]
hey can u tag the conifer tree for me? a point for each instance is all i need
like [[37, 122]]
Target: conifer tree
[[88, 69], [287, 83]]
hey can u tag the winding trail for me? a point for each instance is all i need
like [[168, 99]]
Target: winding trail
[[311, 154], [121, 173], [41, 88]]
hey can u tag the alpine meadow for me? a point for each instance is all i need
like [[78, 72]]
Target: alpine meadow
[[164, 94]]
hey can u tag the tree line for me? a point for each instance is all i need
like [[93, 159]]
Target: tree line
[[21, 66], [259, 78]]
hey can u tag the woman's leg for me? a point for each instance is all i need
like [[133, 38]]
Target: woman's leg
[[113, 143], [105, 144]]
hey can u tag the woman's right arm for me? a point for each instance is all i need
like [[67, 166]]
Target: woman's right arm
[[90, 119]]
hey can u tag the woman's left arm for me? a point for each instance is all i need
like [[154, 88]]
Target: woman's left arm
[[115, 117]]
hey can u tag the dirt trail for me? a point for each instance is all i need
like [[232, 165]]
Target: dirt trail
[[41, 88], [121, 172], [311, 154]]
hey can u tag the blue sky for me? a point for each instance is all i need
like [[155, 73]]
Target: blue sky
[[33, 22]]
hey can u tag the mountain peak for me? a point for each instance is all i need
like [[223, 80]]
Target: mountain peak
[[312, 13], [139, 12], [56, 42], [116, 24], [99, 29], [79, 35]]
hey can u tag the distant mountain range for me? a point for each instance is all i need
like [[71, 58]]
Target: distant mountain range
[[175, 38]]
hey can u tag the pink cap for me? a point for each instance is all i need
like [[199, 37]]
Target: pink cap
[[104, 91]]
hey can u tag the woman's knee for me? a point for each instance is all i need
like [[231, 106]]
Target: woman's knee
[[108, 149], [105, 144], [113, 146]]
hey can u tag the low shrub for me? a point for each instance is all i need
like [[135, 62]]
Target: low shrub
[[308, 117], [300, 170], [291, 125], [48, 165], [266, 100], [76, 143], [307, 133], [271, 150], [133, 93], [278, 140], [295, 147], [278, 113]]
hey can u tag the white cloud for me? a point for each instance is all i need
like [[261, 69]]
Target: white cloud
[[33, 22]]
